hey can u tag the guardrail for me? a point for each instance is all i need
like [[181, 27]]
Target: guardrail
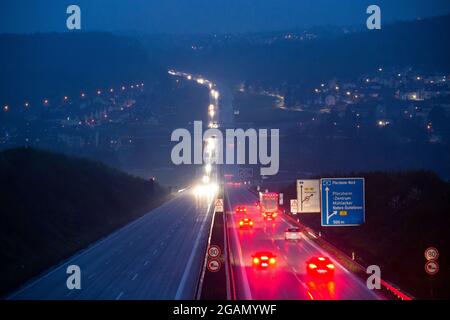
[[229, 268], [198, 291]]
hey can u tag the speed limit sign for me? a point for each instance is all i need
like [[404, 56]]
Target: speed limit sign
[[431, 254], [214, 251]]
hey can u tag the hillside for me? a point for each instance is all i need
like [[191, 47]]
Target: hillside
[[52, 206], [417, 44], [405, 213]]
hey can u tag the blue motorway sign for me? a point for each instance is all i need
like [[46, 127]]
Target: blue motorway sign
[[342, 202]]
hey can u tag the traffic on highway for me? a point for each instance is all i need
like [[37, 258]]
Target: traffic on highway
[[276, 260]]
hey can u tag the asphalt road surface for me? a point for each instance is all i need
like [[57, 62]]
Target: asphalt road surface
[[158, 256]]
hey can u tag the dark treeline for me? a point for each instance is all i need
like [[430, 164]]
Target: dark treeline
[[53, 206], [419, 44]]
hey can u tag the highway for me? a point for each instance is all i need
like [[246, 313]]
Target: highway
[[288, 279], [158, 256]]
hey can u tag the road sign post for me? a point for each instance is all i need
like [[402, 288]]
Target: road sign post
[[432, 267], [214, 251], [308, 196], [342, 202], [219, 205], [294, 206], [431, 254], [214, 265]]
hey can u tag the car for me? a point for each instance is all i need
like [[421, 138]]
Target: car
[[321, 267], [264, 259], [245, 222], [292, 234], [269, 216], [241, 209]]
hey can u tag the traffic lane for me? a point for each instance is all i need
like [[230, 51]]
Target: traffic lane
[[345, 285], [144, 260], [280, 282]]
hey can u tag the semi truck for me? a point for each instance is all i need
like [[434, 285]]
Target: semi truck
[[268, 205]]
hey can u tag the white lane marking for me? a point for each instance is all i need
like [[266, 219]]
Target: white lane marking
[[119, 295], [247, 291], [134, 277], [155, 252], [146, 263], [162, 243], [187, 269], [91, 276]]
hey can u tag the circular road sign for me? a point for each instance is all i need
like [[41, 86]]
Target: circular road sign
[[431, 254], [214, 251], [432, 267], [214, 265]]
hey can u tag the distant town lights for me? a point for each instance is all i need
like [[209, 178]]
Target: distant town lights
[[6, 108]]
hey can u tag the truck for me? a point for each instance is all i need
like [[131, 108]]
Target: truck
[[268, 205]]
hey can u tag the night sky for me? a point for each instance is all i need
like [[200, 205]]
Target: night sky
[[205, 16]]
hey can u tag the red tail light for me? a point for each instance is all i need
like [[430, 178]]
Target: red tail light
[[330, 266], [312, 266], [272, 260], [255, 260]]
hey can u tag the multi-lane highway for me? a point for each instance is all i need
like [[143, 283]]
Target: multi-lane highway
[[288, 279], [158, 256]]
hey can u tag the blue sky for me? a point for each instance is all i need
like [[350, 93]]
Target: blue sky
[[206, 16]]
